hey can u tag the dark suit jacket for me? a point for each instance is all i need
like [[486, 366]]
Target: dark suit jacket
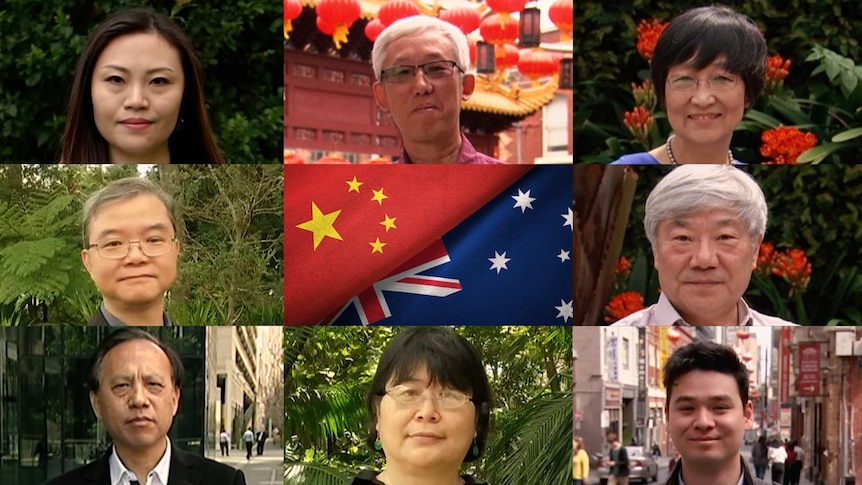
[[186, 469], [98, 320]]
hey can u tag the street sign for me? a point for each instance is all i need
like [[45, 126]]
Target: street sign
[[809, 369], [579, 416]]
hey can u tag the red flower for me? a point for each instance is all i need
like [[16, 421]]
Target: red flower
[[777, 68], [648, 34], [793, 266], [785, 144], [639, 121], [765, 259], [624, 265], [624, 305]]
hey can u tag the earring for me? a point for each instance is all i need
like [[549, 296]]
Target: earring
[[475, 448], [378, 445], [180, 122]]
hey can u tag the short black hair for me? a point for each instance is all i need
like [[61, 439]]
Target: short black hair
[[706, 356], [451, 362], [704, 34], [124, 335]]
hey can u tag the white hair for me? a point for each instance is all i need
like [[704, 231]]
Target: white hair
[[692, 188], [415, 25]]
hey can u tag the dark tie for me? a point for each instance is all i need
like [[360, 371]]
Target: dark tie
[[134, 482]]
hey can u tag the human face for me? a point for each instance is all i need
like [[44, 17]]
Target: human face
[[704, 115], [704, 262], [424, 110], [707, 419], [424, 435], [136, 280], [137, 399], [137, 89]]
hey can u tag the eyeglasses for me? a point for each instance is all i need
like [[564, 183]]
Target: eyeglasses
[[717, 83], [413, 396], [432, 70], [119, 248]]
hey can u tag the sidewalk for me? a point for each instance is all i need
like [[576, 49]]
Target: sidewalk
[[266, 469]]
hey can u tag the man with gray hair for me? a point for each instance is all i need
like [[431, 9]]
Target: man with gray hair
[[420, 63], [130, 251], [705, 224]]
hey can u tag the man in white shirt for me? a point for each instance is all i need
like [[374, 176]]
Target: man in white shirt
[[705, 224], [135, 383], [248, 437]]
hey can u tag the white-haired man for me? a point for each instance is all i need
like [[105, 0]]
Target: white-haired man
[[420, 64], [705, 224]]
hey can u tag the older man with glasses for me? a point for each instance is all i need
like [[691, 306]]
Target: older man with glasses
[[420, 63], [130, 251]]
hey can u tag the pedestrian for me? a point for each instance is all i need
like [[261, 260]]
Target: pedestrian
[[788, 464], [224, 442], [248, 437], [580, 462], [760, 457], [656, 451], [795, 470], [777, 456], [261, 439], [618, 472]]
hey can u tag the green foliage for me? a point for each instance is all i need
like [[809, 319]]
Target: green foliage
[[239, 44], [328, 371], [817, 37]]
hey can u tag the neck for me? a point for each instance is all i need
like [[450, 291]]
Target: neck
[[434, 151], [145, 314], [718, 318], [161, 155], [141, 461], [442, 475], [714, 474], [698, 153]]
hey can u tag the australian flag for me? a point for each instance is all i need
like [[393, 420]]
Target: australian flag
[[477, 246]]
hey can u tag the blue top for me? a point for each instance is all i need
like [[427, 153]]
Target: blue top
[[644, 158]]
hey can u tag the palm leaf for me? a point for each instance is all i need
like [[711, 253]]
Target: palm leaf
[[312, 474]]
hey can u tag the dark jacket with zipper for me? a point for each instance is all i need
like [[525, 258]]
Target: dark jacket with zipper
[[748, 478]]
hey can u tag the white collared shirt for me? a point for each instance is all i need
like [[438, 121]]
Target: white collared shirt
[[664, 314], [120, 475]]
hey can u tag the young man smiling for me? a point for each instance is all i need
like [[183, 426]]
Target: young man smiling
[[707, 410], [130, 251]]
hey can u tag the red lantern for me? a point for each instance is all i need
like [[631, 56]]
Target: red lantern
[[396, 10], [743, 334], [293, 159], [324, 27], [499, 30], [506, 56], [471, 44], [292, 9], [534, 64], [673, 335], [561, 14], [373, 29], [465, 18], [506, 7], [340, 14], [747, 357]]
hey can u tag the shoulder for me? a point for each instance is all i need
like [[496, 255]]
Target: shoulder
[[81, 475], [97, 320], [215, 472], [639, 318], [759, 319], [642, 158], [469, 480], [365, 477]]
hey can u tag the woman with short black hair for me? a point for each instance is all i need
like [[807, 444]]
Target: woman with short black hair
[[708, 67], [430, 407]]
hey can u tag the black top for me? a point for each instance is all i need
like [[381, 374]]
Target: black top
[[747, 478], [369, 477]]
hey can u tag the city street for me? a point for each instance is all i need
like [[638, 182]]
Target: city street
[[267, 469], [663, 471]]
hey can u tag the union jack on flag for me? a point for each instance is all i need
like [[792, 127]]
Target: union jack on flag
[[428, 245]]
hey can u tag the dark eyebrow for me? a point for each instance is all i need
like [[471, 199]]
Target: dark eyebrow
[[148, 71], [689, 399], [109, 232]]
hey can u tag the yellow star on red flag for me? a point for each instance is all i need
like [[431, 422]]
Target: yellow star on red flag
[[321, 225]]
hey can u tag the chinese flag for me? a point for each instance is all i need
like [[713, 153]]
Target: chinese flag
[[346, 227]]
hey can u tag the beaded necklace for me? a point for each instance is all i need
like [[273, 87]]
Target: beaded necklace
[[673, 159]]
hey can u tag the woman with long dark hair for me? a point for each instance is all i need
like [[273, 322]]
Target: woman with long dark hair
[[137, 96]]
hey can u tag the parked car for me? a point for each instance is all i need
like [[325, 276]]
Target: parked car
[[642, 466]]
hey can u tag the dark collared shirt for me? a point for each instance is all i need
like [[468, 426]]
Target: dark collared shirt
[[116, 322]]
